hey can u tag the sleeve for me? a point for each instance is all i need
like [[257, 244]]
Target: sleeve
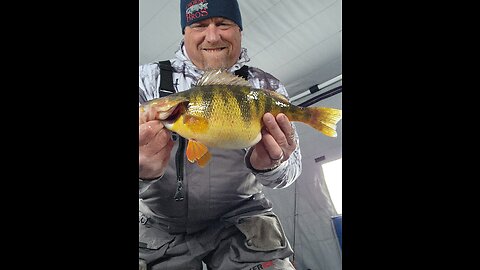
[[149, 78], [285, 174]]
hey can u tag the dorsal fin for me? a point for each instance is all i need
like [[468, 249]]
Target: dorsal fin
[[223, 77]]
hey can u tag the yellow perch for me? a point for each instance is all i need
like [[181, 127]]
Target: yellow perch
[[224, 111]]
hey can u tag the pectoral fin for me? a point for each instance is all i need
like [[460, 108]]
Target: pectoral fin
[[197, 152], [196, 124]]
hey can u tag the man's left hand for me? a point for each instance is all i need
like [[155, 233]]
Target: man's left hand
[[277, 143]]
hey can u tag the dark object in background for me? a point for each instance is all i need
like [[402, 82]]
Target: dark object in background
[[337, 226]]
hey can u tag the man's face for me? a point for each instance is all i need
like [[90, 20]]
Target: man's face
[[213, 43]]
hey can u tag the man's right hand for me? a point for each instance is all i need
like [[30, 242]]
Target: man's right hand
[[155, 145]]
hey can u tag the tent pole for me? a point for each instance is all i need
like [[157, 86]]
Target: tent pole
[[316, 88]]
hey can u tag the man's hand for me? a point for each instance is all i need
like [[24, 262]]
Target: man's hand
[[277, 143], [155, 145]]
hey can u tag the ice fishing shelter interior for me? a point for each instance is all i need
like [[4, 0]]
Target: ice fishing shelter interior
[[299, 42]]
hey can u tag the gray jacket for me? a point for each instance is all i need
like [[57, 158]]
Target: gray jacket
[[226, 187]]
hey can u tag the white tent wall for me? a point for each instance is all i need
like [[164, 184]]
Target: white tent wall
[[305, 208]]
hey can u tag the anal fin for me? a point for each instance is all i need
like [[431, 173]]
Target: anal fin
[[197, 152], [203, 161]]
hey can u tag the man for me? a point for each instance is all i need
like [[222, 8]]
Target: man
[[216, 214]]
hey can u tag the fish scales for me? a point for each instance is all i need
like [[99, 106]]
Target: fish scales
[[231, 114]]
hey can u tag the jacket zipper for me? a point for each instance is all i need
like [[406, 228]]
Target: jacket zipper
[[180, 193]]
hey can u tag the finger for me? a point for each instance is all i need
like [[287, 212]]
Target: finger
[[141, 118], [148, 131], [271, 146], [259, 148], [153, 166], [259, 158], [287, 128], [148, 114], [144, 115], [164, 151], [272, 127], [156, 150], [164, 136], [149, 153]]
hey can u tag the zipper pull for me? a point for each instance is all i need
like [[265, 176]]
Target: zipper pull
[[179, 194]]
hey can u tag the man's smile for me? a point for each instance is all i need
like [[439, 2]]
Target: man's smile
[[213, 49]]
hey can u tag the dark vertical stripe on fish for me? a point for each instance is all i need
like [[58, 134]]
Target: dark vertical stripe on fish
[[195, 97], [239, 93], [256, 102], [261, 103], [223, 95], [268, 103], [207, 99], [286, 108]]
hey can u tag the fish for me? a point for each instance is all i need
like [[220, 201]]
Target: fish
[[224, 111]]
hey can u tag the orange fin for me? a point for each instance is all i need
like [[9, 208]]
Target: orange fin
[[196, 124], [195, 151], [324, 120], [204, 159]]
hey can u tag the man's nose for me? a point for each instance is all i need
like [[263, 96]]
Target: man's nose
[[212, 33]]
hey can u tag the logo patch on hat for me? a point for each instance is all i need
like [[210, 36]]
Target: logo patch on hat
[[196, 9]]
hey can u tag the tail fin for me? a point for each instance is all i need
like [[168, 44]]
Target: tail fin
[[324, 119]]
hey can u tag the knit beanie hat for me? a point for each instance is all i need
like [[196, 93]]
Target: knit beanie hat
[[192, 11]]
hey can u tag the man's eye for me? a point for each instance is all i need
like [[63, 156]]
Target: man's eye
[[224, 25], [197, 26]]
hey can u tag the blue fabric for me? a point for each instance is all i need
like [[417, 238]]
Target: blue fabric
[[337, 225], [197, 10]]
